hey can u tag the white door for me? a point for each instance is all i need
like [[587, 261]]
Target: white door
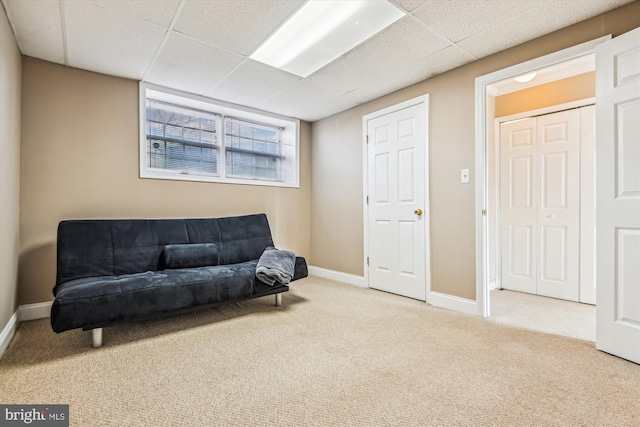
[[518, 204], [540, 205], [397, 213], [558, 193], [618, 196]]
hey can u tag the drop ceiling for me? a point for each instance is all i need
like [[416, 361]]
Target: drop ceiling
[[203, 46]]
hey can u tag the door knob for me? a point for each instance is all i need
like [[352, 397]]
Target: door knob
[[418, 212]]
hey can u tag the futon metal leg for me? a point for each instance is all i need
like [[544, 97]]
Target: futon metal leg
[[278, 300], [96, 338]]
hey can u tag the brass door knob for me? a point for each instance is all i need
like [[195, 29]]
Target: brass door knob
[[418, 212]]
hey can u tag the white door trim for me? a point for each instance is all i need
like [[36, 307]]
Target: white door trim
[[547, 110], [424, 99], [481, 149]]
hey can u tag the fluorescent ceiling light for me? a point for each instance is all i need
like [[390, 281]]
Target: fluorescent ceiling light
[[323, 30], [525, 78]]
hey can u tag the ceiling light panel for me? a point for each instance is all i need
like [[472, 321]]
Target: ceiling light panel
[[323, 30]]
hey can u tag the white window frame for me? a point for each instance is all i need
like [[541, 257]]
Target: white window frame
[[290, 136]]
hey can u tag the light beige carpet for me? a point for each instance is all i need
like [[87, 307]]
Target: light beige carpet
[[333, 354], [550, 315]]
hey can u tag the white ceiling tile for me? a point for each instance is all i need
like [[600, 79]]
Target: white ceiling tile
[[447, 59], [123, 37], [109, 42], [567, 12], [399, 45], [497, 39], [459, 19], [551, 16], [190, 65], [38, 28], [159, 12], [236, 25], [332, 106], [299, 99], [251, 83], [410, 5]]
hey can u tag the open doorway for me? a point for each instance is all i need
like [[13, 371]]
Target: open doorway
[[617, 187], [486, 88], [541, 199]]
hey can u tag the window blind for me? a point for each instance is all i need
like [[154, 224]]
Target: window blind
[[181, 139], [253, 150]]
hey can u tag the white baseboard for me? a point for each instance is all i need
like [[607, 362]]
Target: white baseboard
[[34, 311], [338, 276], [492, 286], [437, 299], [452, 302], [8, 332]]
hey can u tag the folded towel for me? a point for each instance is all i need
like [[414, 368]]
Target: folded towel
[[276, 265]]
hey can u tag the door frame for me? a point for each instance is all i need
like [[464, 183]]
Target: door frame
[[423, 99], [482, 147], [497, 121]]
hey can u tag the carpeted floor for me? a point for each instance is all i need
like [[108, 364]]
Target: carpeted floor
[[544, 314], [333, 354]]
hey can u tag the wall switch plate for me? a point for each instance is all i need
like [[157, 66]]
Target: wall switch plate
[[464, 176]]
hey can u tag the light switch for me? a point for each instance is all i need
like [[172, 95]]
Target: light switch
[[464, 176]]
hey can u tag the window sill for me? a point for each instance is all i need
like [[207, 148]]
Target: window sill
[[215, 179]]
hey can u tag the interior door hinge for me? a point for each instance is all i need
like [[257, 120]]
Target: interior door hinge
[[367, 199], [367, 139], [367, 260]]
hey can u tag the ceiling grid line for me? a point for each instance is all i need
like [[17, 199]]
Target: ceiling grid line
[[203, 47], [63, 23], [164, 40]]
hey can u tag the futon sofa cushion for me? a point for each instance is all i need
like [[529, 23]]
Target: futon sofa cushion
[[89, 301]]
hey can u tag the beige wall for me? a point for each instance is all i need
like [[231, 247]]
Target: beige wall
[[582, 86], [80, 160], [336, 220], [10, 83]]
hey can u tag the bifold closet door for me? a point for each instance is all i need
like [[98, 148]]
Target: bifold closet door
[[540, 204], [518, 200], [558, 266]]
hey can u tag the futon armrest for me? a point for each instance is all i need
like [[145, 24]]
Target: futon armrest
[[301, 270]]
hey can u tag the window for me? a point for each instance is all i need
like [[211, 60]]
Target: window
[[186, 137], [253, 150], [181, 139]]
